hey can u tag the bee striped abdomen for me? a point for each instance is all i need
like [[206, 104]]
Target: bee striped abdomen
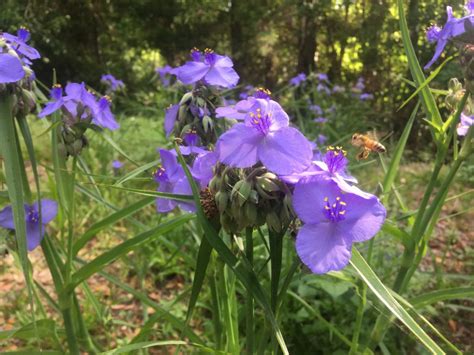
[[379, 148]]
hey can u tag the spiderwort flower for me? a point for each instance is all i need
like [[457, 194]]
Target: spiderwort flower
[[320, 119], [360, 85], [191, 139], [453, 28], [11, 68], [203, 168], [212, 68], [165, 74], [57, 101], [103, 116], [34, 227], [333, 221], [265, 136], [171, 179], [464, 125], [365, 96], [323, 77], [19, 45], [117, 164], [323, 88], [316, 109], [171, 114], [298, 79], [113, 83], [240, 110]]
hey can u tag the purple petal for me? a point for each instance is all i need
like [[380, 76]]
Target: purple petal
[[49, 210], [170, 118], [285, 151], [203, 168], [33, 235], [223, 76], [171, 165], [183, 187], [364, 218], [50, 108], [11, 69], [309, 198], [191, 72], [238, 146], [322, 248], [6, 218], [164, 205]]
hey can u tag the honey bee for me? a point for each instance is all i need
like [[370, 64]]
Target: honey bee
[[368, 144]]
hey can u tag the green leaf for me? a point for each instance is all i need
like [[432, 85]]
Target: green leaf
[[385, 296], [137, 172], [397, 156], [177, 197], [120, 250], [456, 293], [109, 220], [43, 328], [243, 271], [426, 96], [433, 74], [151, 344], [11, 156]]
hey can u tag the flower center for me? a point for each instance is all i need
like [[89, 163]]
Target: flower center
[[262, 93], [32, 216], [260, 122], [334, 212], [160, 175], [209, 56], [195, 54], [191, 138], [432, 33], [335, 159]]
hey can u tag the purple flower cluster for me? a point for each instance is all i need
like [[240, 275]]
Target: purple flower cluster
[[298, 79], [16, 56], [35, 226], [79, 104], [211, 68], [453, 28], [113, 84]]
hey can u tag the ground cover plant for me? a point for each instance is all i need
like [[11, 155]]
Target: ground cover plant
[[209, 215]]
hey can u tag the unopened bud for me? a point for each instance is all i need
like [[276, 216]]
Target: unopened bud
[[222, 198], [273, 222]]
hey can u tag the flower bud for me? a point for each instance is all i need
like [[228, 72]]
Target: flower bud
[[222, 198], [273, 222]]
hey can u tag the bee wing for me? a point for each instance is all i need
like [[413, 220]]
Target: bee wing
[[375, 136]]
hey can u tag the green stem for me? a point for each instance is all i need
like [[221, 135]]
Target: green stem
[[249, 304]]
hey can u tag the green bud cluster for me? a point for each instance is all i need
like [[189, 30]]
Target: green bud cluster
[[196, 113], [250, 198], [455, 94], [72, 138]]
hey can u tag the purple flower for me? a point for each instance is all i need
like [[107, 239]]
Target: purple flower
[[322, 77], [191, 139], [171, 179], [321, 140], [432, 33], [11, 68], [112, 83], [117, 164], [316, 109], [265, 136], [57, 101], [365, 96], [213, 68], [338, 89], [34, 227], [323, 88], [246, 93], [18, 44], [102, 115], [240, 110], [360, 84], [333, 221], [320, 120], [203, 168], [331, 165], [165, 74], [297, 80], [464, 124], [454, 27], [469, 6]]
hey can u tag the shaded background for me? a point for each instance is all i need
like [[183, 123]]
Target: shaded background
[[269, 41]]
